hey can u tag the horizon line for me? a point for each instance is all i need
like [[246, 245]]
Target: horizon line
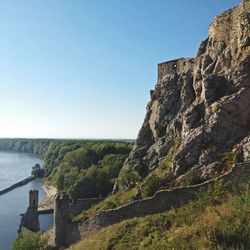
[[67, 138]]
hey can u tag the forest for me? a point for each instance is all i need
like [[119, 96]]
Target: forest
[[82, 168]]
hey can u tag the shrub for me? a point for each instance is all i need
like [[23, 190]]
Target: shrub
[[30, 241], [88, 181], [166, 163], [128, 177], [191, 178], [151, 185], [215, 108], [229, 159]]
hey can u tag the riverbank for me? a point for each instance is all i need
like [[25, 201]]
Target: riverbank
[[46, 205]]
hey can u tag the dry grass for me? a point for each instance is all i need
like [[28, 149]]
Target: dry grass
[[162, 231], [98, 241]]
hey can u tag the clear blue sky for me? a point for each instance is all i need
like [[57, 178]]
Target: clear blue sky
[[84, 68]]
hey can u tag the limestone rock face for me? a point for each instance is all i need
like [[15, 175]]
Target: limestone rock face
[[200, 107]]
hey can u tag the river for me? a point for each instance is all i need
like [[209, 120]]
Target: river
[[13, 168]]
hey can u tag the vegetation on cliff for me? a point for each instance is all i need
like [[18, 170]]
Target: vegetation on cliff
[[219, 219]]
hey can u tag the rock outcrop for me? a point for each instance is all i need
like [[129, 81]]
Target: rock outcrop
[[199, 109]]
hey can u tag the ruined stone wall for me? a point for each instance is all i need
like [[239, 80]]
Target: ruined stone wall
[[33, 198], [61, 218], [162, 201], [30, 219], [83, 204], [174, 67], [65, 231]]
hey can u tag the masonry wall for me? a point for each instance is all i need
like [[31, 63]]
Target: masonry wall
[[83, 204], [30, 219], [162, 201], [181, 65], [61, 219], [65, 231]]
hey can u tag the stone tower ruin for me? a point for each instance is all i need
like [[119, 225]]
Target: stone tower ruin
[[30, 219], [61, 218], [33, 198]]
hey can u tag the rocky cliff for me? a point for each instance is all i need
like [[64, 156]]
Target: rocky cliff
[[199, 116]]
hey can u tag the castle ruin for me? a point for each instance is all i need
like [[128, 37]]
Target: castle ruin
[[30, 219], [61, 218]]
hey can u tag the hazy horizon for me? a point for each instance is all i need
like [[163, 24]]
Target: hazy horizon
[[68, 139], [84, 69]]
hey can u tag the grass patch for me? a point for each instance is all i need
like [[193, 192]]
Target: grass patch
[[120, 198], [192, 177], [152, 184], [166, 163], [217, 220], [228, 159], [234, 231]]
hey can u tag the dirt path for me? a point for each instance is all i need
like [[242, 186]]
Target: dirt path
[[47, 202]]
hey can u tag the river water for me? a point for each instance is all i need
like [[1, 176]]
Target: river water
[[13, 168]]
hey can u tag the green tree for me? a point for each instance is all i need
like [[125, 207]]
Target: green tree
[[128, 177], [60, 182]]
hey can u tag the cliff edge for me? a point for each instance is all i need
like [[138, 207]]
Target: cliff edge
[[199, 112]]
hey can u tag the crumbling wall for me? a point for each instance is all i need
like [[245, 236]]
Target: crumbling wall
[[65, 231], [61, 218], [174, 67], [30, 219], [162, 201], [83, 204]]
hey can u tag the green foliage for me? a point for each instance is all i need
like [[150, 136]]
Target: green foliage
[[59, 181], [82, 158], [211, 196], [234, 230], [166, 163], [83, 176], [192, 177], [83, 168], [228, 159], [128, 177], [30, 241], [93, 184], [141, 234], [152, 184]]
